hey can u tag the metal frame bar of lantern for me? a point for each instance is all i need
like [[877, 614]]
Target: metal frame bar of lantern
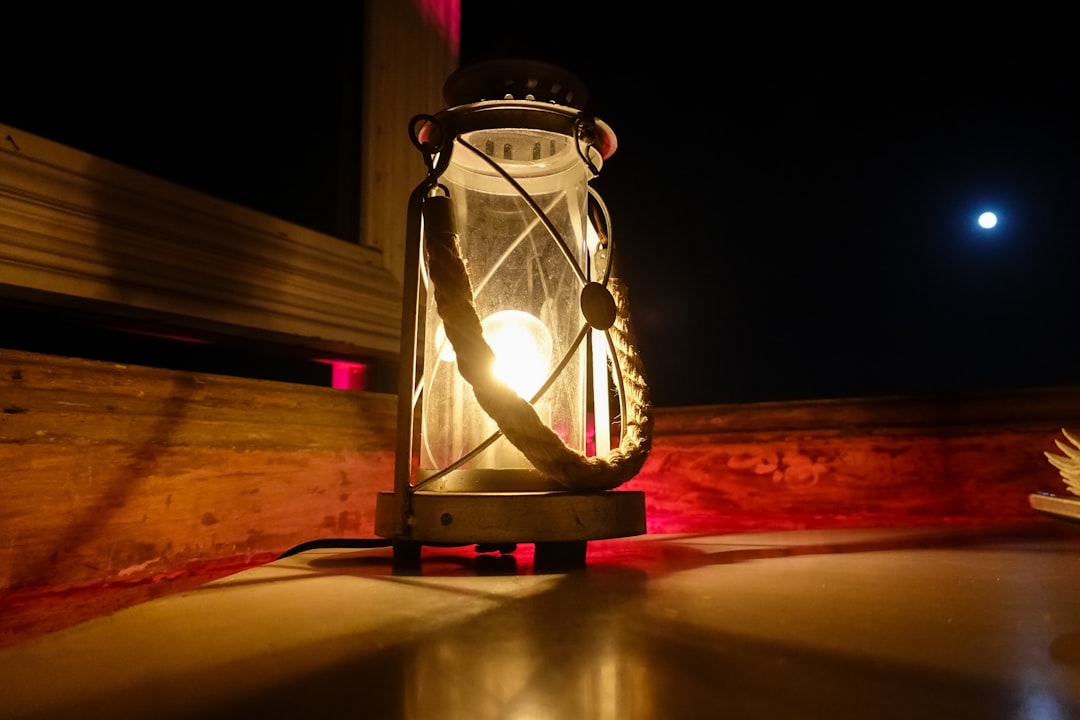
[[437, 159]]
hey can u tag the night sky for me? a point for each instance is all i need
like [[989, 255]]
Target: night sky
[[793, 198]]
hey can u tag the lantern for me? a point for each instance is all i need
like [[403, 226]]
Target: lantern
[[532, 406]]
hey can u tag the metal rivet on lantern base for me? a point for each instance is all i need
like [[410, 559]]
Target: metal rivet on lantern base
[[559, 523]]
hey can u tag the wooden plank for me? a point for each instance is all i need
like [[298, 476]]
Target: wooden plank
[[410, 48], [859, 462], [116, 477], [74, 227], [123, 472]]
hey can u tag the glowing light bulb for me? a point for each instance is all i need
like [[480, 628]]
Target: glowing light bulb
[[522, 346], [987, 220]]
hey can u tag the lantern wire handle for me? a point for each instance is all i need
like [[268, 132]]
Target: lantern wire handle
[[582, 129], [607, 236]]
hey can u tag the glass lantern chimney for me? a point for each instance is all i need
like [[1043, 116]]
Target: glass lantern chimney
[[526, 293]]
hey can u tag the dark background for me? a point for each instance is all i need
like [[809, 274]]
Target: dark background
[[793, 198]]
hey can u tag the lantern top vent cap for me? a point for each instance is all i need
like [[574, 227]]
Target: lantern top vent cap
[[517, 79]]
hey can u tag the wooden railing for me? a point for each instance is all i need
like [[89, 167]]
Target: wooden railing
[[119, 478]]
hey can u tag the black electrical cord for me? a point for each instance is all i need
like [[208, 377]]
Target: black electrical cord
[[367, 543], [347, 543]]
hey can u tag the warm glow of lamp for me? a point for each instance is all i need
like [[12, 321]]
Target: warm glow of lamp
[[522, 348], [513, 306]]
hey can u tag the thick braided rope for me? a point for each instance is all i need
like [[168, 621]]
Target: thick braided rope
[[515, 417]]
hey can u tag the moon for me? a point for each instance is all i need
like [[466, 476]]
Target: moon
[[987, 220]]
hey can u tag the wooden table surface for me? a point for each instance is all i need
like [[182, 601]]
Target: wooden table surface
[[961, 622]]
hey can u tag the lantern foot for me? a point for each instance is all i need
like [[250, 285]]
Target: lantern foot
[[553, 557], [406, 556], [494, 520], [559, 524]]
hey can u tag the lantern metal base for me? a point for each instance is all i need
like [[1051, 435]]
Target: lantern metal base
[[560, 523]]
